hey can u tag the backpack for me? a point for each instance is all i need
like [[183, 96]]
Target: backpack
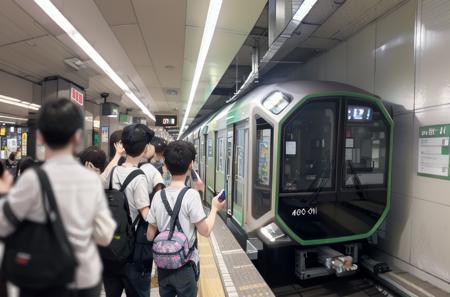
[[122, 245], [39, 255], [171, 247]]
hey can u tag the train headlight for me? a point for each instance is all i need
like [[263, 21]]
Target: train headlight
[[272, 232], [276, 102]]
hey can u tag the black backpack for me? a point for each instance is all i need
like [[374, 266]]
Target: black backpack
[[39, 255], [122, 245]]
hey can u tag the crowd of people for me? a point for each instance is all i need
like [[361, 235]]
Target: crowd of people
[[78, 223]]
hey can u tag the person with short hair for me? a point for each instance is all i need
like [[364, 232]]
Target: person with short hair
[[158, 158], [178, 158], [93, 158], [78, 192], [131, 277]]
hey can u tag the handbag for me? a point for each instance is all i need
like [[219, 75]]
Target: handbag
[[39, 255]]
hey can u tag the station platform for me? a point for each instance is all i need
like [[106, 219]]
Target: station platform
[[225, 269]]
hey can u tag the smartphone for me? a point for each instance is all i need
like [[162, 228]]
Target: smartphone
[[194, 175], [222, 195]]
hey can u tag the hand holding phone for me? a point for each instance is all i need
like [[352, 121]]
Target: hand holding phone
[[222, 196]]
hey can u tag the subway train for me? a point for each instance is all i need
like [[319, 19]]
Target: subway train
[[304, 163]]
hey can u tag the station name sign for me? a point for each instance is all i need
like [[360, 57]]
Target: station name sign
[[433, 153], [77, 96], [166, 120]]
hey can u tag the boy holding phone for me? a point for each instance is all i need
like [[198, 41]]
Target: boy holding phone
[[178, 159]]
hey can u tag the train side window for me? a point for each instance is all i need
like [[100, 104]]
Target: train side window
[[308, 148], [262, 186], [365, 146], [220, 154]]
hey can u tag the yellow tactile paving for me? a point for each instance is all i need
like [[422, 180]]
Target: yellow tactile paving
[[210, 284]]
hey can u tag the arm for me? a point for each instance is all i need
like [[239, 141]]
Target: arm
[[144, 211], [119, 151], [151, 231], [23, 198], [205, 226], [104, 224]]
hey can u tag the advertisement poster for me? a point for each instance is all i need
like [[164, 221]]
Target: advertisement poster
[[264, 157], [105, 134], [433, 153]]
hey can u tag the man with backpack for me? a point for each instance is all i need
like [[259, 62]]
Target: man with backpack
[[62, 195], [177, 212], [130, 270]]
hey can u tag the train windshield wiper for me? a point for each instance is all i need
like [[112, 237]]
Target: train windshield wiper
[[357, 181]]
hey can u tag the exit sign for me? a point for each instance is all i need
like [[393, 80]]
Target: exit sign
[[77, 96]]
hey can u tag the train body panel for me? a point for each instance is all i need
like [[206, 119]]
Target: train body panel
[[306, 159]]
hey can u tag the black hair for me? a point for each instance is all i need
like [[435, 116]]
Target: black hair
[[115, 137], [12, 156], [24, 164], [58, 121], [94, 155], [135, 137], [159, 144], [178, 156]]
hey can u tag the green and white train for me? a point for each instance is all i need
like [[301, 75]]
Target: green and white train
[[303, 162]]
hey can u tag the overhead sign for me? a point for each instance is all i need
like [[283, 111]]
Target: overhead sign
[[77, 96], [433, 159], [166, 120]]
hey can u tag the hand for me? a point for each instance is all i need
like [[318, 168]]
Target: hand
[[199, 185], [91, 166], [216, 204], [6, 182], [119, 148]]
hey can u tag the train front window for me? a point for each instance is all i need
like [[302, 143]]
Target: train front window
[[308, 148], [365, 146]]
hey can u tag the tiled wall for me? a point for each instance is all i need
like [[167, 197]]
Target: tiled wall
[[404, 58]]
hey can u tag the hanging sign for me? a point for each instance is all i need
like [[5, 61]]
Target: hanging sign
[[433, 153]]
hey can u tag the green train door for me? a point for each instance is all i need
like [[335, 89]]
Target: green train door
[[240, 171]]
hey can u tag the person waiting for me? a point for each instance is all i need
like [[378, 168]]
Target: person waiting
[[182, 281], [79, 196]]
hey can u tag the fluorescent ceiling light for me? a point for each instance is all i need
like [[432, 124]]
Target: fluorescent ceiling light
[[12, 118], [20, 103], [303, 10], [208, 33], [53, 12], [7, 122]]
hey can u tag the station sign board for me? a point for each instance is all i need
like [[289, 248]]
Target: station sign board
[[166, 120], [76, 96], [433, 152]]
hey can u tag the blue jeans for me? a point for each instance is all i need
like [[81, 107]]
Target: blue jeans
[[140, 280], [181, 282]]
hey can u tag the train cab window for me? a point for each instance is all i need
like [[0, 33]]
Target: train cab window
[[262, 186], [220, 154], [365, 146], [308, 148]]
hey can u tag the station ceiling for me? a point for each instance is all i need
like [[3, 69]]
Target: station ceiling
[[153, 45]]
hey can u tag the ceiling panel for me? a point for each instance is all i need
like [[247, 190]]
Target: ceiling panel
[[117, 12], [131, 40], [163, 24], [148, 75], [15, 24]]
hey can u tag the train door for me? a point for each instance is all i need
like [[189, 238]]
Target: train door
[[240, 171], [203, 161], [229, 170]]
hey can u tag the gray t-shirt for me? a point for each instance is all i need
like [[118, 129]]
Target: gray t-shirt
[[153, 176], [191, 211], [136, 191]]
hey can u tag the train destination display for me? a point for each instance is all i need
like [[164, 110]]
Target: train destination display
[[433, 152]]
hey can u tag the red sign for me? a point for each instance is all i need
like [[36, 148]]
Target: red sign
[[77, 96]]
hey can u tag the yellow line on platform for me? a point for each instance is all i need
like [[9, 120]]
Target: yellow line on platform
[[210, 284]]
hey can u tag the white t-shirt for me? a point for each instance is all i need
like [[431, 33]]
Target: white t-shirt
[[136, 192], [191, 211], [153, 176]]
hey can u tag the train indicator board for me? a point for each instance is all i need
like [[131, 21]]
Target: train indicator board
[[433, 153], [166, 120]]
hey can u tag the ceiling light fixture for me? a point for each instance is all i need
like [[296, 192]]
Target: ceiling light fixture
[[208, 33], [12, 118], [303, 10], [20, 103], [53, 12]]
